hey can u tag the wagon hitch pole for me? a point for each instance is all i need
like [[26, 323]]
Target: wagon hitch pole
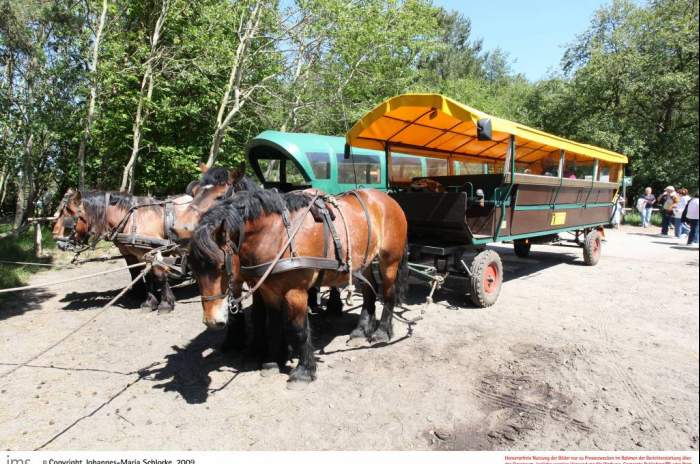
[[436, 281]]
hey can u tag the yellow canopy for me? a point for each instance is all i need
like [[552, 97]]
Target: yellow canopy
[[437, 126]]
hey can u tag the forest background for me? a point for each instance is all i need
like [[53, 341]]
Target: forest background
[[132, 94]]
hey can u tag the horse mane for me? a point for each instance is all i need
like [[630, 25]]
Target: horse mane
[[245, 183], [230, 214], [94, 206]]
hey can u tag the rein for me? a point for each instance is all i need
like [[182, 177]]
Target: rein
[[228, 256]]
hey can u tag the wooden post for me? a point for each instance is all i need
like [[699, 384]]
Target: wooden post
[[37, 239]]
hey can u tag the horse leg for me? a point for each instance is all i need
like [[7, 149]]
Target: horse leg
[[313, 299], [167, 299], [235, 333], [300, 337], [138, 290], [259, 317], [276, 346], [151, 302], [393, 276], [335, 305], [367, 322]]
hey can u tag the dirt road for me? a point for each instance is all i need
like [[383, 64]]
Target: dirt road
[[571, 357]]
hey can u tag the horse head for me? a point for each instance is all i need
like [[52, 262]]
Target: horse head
[[71, 227], [214, 185], [215, 265]]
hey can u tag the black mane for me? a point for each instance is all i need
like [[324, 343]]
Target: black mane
[[230, 214]]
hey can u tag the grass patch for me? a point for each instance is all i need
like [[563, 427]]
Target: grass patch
[[21, 248], [633, 218]]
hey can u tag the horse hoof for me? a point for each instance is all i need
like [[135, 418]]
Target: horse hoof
[[298, 375], [379, 337], [147, 308], [269, 369], [165, 309]]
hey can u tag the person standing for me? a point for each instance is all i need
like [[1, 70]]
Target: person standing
[[667, 200], [692, 215], [618, 212], [684, 198], [649, 200], [679, 203]]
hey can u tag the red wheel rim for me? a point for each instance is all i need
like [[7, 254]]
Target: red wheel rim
[[596, 247], [492, 278]]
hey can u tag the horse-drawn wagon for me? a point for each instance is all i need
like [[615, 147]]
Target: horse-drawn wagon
[[492, 180]]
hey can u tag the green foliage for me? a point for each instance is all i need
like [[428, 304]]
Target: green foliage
[[628, 83], [633, 218]]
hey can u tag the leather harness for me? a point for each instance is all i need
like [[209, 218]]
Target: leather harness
[[321, 213]]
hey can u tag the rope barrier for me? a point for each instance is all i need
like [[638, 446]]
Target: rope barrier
[[27, 263], [60, 282]]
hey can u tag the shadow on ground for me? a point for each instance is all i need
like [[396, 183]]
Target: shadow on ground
[[16, 304], [80, 301]]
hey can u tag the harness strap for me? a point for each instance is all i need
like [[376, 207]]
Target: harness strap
[[291, 264], [287, 226], [357, 195], [169, 221], [322, 273], [328, 224]]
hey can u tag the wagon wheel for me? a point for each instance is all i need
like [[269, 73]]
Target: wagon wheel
[[522, 248], [486, 278], [591, 248]]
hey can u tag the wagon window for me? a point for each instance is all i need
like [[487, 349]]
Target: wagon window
[[292, 173], [468, 167], [578, 167], [320, 164], [270, 169], [404, 168], [359, 169], [436, 167], [608, 172], [538, 163]]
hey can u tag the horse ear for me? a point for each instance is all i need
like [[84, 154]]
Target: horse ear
[[77, 196], [203, 167], [235, 174]]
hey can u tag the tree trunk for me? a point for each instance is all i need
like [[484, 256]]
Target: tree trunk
[[93, 96], [3, 183], [7, 166], [225, 115], [22, 182], [141, 115]]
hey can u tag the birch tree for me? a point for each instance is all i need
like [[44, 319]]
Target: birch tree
[[92, 69], [144, 98]]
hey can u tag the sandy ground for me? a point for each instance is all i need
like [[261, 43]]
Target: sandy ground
[[571, 357]]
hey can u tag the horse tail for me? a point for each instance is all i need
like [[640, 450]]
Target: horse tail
[[402, 275]]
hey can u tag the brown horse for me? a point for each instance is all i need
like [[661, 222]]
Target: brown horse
[[89, 217], [94, 215], [249, 229]]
